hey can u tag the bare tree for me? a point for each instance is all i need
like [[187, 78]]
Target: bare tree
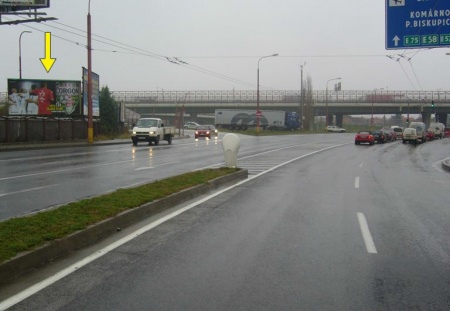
[[308, 104]]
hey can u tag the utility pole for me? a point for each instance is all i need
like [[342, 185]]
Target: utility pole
[[301, 94]]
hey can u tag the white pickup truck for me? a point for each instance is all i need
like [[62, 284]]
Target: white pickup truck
[[152, 130]]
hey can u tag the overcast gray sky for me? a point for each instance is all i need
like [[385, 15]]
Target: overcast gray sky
[[221, 41]]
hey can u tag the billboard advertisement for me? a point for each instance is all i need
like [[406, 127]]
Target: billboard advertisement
[[19, 5], [55, 98], [95, 93]]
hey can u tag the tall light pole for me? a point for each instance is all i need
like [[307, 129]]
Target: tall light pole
[[20, 52], [371, 120], [89, 90], [301, 92], [326, 101], [258, 113]]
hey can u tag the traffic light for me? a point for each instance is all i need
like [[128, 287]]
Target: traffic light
[[432, 103]]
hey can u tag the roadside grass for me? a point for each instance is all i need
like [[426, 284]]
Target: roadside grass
[[27, 233]]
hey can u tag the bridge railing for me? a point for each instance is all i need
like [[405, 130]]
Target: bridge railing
[[283, 96]]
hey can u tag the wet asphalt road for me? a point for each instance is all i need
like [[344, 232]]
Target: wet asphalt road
[[321, 224]]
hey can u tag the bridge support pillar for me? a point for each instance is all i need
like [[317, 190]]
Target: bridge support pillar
[[426, 118], [193, 117], [339, 119], [442, 118]]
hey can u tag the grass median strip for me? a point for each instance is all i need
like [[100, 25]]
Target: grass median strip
[[27, 233]]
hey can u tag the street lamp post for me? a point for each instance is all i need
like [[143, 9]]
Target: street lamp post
[[326, 101], [371, 120], [20, 52], [301, 92], [89, 90], [258, 113]]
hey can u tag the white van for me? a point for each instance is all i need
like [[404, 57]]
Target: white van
[[437, 128], [421, 130], [410, 135], [398, 130]]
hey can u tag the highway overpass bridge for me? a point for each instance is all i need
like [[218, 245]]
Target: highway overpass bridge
[[333, 103]]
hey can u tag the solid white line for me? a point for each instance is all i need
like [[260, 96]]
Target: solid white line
[[370, 245], [26, 190], [63, 273], [357, 182]]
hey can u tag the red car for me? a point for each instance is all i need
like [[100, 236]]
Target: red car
[[364, 137], [202, 131], [447, 132], [430, 135]]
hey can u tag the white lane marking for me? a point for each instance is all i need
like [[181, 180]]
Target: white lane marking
[[360, 164], [144, 168], [11, 301], [77, 168], [357, 182], [26, 190], [370, 245]]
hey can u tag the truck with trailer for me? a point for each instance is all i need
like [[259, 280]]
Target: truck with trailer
[[238, 119], [152, 130]]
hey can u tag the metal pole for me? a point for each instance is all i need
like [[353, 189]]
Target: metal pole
[[371, 120], [257, 93], [301, 93], [257, 99], [20, 52], [89, 47]]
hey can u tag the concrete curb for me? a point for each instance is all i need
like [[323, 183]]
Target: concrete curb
[[446, 164], [25, 262]]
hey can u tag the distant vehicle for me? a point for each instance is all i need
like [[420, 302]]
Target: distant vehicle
[[364, 137], [421, 130], [152, 130], [191, 125], [410, 136], [335, 129], [380, 136], [389, 134], [430, 135], [213, 130], [437, 129], [202, 131], [447, 132], [398, 130], [239, 119]]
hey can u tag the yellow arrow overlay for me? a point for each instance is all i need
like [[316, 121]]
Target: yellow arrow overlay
[[48, 61]]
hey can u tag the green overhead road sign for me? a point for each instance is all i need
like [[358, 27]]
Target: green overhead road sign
[[415, 24]]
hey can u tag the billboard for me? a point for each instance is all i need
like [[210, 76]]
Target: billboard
[[19, 5], [95, 94], [55, 98]]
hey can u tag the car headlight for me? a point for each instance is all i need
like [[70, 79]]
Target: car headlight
[[151, 132], [134, 132]]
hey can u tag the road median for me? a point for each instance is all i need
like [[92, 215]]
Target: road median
[[40, 256]]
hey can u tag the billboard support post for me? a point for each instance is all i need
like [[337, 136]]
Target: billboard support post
[[90, 123]]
